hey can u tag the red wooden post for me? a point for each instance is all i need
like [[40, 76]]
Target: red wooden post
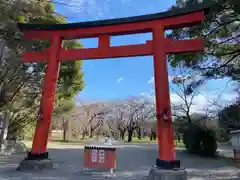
[[164, 129], [43, 123]]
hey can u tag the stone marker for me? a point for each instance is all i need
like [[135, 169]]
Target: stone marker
[[35, 165], [156, 173]]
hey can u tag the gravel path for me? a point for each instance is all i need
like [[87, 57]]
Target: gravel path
[[133, 162]]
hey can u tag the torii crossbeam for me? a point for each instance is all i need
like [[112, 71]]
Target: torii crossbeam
[[158, 47]]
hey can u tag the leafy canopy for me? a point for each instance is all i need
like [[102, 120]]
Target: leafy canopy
[[221, 33], [21, 83]]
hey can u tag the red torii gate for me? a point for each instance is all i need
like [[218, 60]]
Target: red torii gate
[[159, 47]]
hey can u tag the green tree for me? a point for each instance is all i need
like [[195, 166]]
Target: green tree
[[20, 84], [229, 117], [220, 31]]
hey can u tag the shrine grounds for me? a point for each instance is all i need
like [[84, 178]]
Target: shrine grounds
[[133, 162]]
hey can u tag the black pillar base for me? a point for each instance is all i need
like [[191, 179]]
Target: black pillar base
[[162, 164], [39, 156], [35, 162]]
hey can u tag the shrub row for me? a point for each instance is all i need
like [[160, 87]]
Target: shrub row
[[200, 141]]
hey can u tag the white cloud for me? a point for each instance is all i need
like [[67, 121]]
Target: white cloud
[[90, 7], [81, 5], [170, 78], [149, 95], [119, 80], [85, 7], [200, 102], [151, 80], [210, 101]]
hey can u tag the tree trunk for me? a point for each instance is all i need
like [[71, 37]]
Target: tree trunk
[[84, 132], [116, 136], [179, 138], [130, 134], [151, 137], [154, 136], [83, 135], [91, 132], [3, 128], [64, 135], [139, 134], [189, 118], [122, 134], [65, 130]]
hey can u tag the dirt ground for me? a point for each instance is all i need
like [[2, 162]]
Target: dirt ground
[[133, 162]]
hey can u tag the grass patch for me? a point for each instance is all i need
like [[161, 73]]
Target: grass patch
[[143, 140], [179, 144], [28, 144], [55, 143], [147, 141], [70, 142]]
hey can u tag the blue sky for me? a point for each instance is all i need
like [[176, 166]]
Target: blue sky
[[123, 77]]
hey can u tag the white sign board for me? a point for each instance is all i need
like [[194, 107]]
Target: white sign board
[[101, 156], [94, 155]]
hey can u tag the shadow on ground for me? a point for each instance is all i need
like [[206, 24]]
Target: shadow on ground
[[133, 162]]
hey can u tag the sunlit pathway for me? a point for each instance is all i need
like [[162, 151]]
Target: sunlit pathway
[[133, 162]]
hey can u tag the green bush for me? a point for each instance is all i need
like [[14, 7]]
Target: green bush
[[28, 131], [200, 141], [192, 139], [208, 143]]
